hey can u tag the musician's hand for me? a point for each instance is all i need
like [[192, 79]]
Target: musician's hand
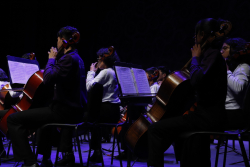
[[52, 53], [196, 50], [93, 67]]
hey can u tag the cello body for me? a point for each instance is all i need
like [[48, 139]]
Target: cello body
[[35, 94], [5, 98], [174, 97]]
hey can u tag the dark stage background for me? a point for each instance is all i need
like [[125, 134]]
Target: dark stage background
[[145, 32]]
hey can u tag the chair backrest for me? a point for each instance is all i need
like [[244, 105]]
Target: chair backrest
[[246, 105], [94, 101]]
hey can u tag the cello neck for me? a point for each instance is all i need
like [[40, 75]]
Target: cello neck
[[185, 68]]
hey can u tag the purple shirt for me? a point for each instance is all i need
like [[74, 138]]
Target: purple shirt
[[69, 80]]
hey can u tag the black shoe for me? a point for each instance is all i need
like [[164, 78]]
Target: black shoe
[[68, 160], [34, 165], [46, 163], [96, 157]]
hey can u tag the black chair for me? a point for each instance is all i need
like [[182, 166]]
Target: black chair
[[76, 129], [94, 104], [235, 134]]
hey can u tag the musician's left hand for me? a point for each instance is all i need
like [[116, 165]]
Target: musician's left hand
[[52, 53], [93, 67], [196, 50]]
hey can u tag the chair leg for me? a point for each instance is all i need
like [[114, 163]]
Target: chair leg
[[75, 143], [119, 150], [113, 149], [8, 150], [225, 153], [57, 152], [78, 144], [89, 153], [217, 152], [243, 151]]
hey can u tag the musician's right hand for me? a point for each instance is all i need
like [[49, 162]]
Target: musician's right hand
[[52, 53], [196, 50], [93, 67]]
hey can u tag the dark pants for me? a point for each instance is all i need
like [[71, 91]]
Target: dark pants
[[20, 123], [236, 119], [109, 113], [195, 152], [2, 113]]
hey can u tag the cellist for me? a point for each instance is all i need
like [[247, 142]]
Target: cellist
[[62, 69], [208, 76]]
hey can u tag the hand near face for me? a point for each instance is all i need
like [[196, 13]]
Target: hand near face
[[196, 50], [52, 53], [93, 67]]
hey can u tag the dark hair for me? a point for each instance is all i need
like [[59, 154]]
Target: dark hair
[[3, 76], [151, 71], [236, 45], [164, 70], [102, 51], [210, 27], [66, 33], [110, 60]]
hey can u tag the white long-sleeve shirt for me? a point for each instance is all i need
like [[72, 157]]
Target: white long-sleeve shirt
[[237, 82], [108, 79], [153, 89]]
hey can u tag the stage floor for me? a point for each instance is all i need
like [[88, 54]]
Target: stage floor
[[169, 156]]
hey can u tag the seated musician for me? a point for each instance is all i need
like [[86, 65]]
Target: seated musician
[[163, 73], [152, 75], [110, 110], [208, 76], [238, 73], [14, 95], [3, 79], [64, 67]]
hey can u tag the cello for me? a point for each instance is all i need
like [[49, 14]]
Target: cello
[[35, 94], [6, 100], [175, 94]]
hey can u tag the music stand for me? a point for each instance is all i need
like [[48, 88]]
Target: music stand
[[20, 69], [132, 99]]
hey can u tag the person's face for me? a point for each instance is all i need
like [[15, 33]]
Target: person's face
[[101, 64], [225, 50], [161, 76], [59, 42], [198, 37]]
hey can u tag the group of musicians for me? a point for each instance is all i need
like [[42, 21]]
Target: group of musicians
[[218, 77]]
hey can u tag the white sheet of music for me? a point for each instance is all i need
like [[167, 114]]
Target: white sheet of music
[[126, 80], [21, 72], [141, 80]]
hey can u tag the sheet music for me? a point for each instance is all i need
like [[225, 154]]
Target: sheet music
[[21, 72], [141, 80], [126, 80]]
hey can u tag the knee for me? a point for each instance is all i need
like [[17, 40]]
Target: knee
[[11, 119]]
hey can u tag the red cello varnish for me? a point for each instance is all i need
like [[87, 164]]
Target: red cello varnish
[[35, 94]]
